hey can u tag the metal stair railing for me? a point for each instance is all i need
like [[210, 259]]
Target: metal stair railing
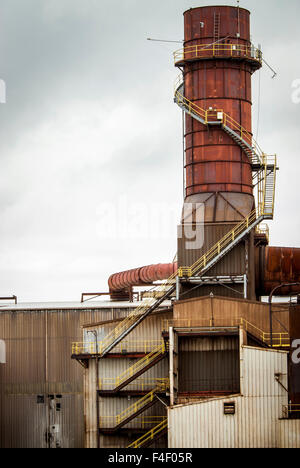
[[150, 435], [126, 346], [265, 210], [218, 117], [266, 187], [280, 339], [139, 385], [218, 50], [141, 404], [139, 367], [223, 246], [141, 364], [137, 316]]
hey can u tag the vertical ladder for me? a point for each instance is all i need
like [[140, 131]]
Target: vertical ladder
[[217, 22], [266, 187], [269, 194]]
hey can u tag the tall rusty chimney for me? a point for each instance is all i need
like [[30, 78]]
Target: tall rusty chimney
[[217, 63]]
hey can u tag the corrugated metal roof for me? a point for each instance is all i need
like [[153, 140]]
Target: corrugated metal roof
[[72, 305]]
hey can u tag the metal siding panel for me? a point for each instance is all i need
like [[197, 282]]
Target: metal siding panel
[[258, 412], [24, 377], [289, 434]]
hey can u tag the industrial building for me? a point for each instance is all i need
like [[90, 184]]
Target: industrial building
[[203, 361], [197, 359]]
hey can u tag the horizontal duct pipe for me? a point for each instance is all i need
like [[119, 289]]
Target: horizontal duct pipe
[[143, 276], [274, 266]]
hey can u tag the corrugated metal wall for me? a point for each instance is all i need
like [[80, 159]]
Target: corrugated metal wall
[[38, 363], [209, 364], [256, 422], [289, 433]]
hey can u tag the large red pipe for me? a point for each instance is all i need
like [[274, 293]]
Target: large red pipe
[[141, 276]]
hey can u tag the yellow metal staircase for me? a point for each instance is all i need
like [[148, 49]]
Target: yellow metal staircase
[[139, 407], [264, 210], [138, 368], [137, 316], [217, 117], [150, 436]]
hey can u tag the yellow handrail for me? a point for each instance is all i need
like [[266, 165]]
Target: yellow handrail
[[131, 371], [263, 229], [265, 208], [218, 115], [132, 317], [217, 50], [219, 246], [280, 340], [290, 409], [143, 421], [138, 384], [149, 435], [141, 403], [139, 346]]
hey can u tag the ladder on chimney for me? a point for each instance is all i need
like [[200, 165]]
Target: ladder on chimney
[[217, 22]]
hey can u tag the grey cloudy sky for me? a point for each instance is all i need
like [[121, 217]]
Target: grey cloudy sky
[[90, 126]]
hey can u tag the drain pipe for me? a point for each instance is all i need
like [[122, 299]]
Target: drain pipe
[[270, 306], [94, 332]]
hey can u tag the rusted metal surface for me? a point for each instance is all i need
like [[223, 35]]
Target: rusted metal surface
[[275, 266], [214, 162], [141, 276], [232, 20]]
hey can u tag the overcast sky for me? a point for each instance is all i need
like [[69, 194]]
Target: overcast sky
[[90, 134]]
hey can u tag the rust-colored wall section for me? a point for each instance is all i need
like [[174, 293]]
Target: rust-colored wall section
[[275, 266]]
